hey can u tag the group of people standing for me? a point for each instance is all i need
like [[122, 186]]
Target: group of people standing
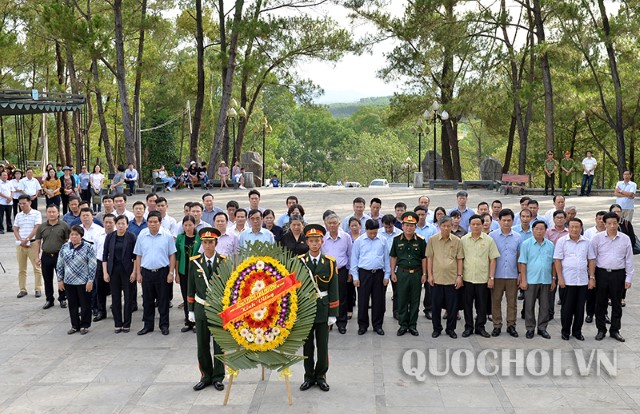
[[566, 168]]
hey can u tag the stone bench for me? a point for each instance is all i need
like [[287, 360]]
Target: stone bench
[[490, 184], [443, 183]]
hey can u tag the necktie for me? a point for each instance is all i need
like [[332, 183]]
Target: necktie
[[210, 266], [315, 262]]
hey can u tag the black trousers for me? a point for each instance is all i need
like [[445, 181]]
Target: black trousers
[[121, 287], [102, 290], [5, 214], [371, 287], [444, 295], [317, 343], [426, 302], [85, 195], [65, 202], [394, 297], [16, 208], [343, 289], [609, 285], [34, 204], [572, 311], [155, 288], [591, 302], [48, 265], [184, 279], [549, 182], [475, 293], [351, 297], [79, 305], [53, 200]]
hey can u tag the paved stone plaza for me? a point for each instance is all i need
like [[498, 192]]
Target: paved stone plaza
[[42, 369]]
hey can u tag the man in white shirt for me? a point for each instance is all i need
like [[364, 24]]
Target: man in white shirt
[[588, 166], [168, 223], [31, 187], [24, 229], [589, 233], [227, 243], [558, 204], [424, 202], [195, 210], [6, 201], [120, 204], [240, 225], [625, 193]]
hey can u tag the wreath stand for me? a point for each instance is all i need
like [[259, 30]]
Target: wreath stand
[[286, 373]]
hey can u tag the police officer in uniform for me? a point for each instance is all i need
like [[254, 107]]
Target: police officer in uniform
[[202, 268], [409, 269], [325, 272]]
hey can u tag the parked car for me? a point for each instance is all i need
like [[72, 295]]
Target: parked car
[[379, 182], [352, 184]]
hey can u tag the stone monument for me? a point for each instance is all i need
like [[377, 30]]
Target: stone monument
[[252, 162], [490, 169], [427, 166]]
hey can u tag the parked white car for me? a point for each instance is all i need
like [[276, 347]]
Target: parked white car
[[379, 182]]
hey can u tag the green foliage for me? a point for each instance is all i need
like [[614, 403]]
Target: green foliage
[[345, 110], [158, 145]]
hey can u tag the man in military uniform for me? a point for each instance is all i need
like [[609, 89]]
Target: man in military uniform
[[202, 268], [408, 269], [325, 272]]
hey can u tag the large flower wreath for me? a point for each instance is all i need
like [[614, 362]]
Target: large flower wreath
[[261, 306]]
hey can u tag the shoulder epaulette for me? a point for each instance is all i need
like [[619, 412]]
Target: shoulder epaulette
[[222, 256], [420, 236], [330, 257], [196, 257], [398, 235], [302, 256]]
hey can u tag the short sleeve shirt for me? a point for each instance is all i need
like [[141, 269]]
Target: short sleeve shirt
[[409, 252], [477, 254], [445, 254]]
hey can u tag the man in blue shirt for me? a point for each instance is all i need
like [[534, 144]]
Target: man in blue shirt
[[465, 213], [358, 212], [370, 270], [155, 264], [536, 261], [506, 276], [256, 232], [337, 244], [138, 223]]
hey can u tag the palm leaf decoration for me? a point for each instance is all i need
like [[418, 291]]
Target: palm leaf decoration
[[236, 356]]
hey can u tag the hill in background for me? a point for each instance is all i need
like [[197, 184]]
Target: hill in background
[[345, 110]]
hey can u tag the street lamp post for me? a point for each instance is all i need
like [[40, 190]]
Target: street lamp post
[[420, 129], [409, 166], [443, 117], [283, 167]]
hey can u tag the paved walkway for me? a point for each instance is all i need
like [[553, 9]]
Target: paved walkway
[[42, 369]]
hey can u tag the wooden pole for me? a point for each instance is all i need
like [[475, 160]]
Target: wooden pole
[[226, 396], [288, 384], [263, 373]]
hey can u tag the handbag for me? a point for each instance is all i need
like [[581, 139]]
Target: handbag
[[95, 199], [636, 246]]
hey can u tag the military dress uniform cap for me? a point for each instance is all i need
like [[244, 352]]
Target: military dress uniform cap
[[410, 217], [314, 230], [209, 233]]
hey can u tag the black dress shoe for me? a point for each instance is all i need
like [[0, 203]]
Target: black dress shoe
[[22, 294], [483, 333], [218, 385], [48, 304], [496, 332], [63, 304], [201, 385], [342, 330], [99, 317], [144, 331], [323, 386], [401, 331], [589, 319], [305, 385], [467, 332], [511, 330], [616, 336], [579, 337], [565, 337], [600, 335], [529, 334], [413, 332], [165, 331], [427, 314], [362, 331], [186, 328], [379, 331], [452, 334], [435, 334], [544, 334], [521, 296]]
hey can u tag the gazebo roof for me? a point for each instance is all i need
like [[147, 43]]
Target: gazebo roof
[[15, 102]]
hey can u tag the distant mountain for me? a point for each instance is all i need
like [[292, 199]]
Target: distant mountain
[[345, 110]]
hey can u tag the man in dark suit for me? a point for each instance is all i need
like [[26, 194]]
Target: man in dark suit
[[201, 271], [325, 272]]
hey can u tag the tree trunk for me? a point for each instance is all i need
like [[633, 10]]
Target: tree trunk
[[546, 77], [226, 87], [138, 83], [621, 162], [510, 139], [75, 117], [60, 121], [120, 73], [104, 132], [197, 113]]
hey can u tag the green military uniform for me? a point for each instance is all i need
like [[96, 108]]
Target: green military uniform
[[200, 274], [325, 273], [550, 165], [566, 181], [410, 254]]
